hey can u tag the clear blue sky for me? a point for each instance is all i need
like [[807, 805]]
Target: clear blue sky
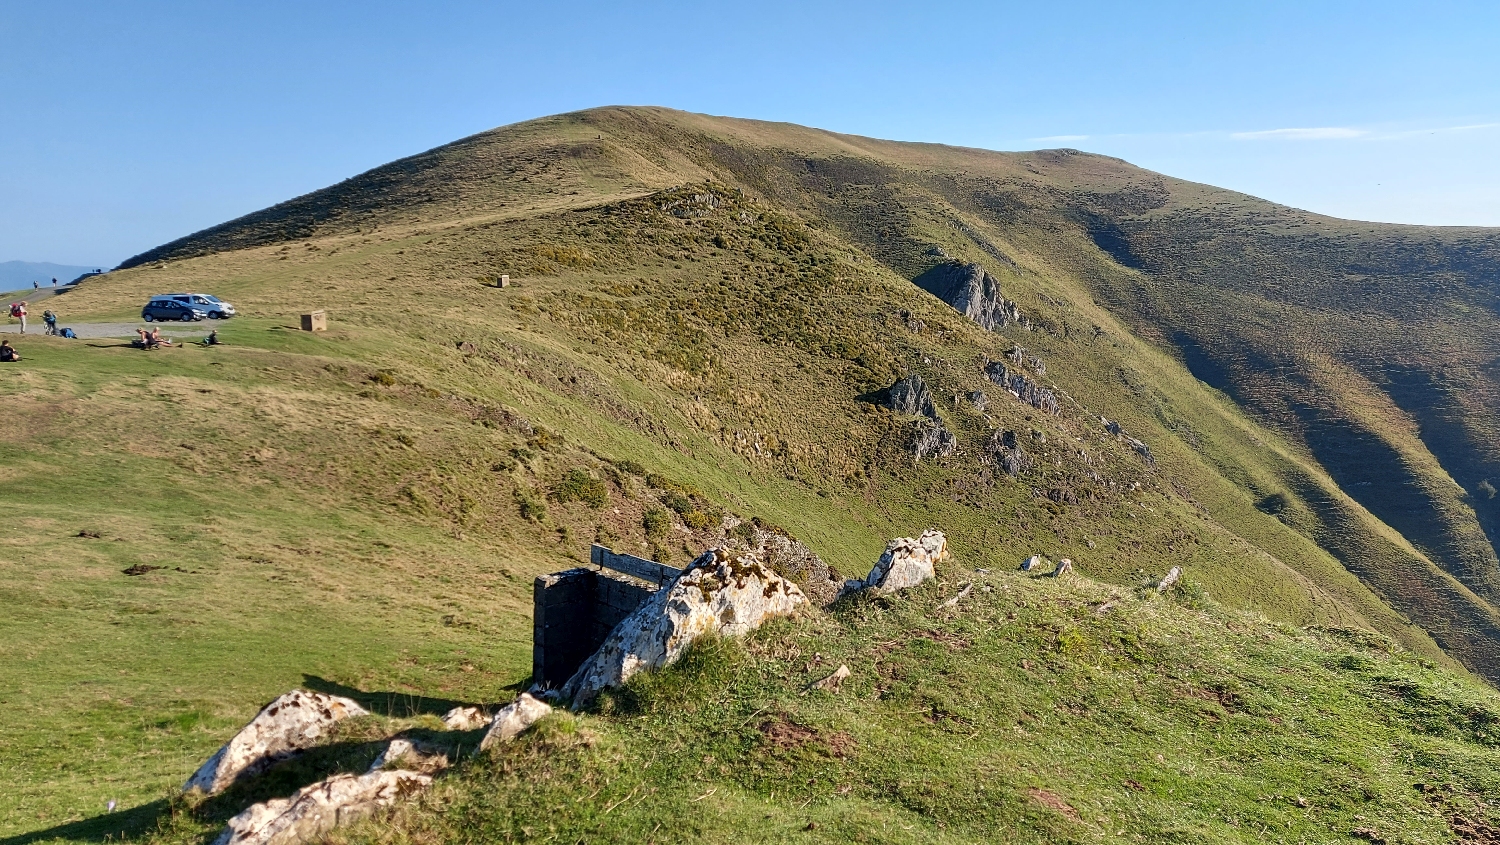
[[126, 124]]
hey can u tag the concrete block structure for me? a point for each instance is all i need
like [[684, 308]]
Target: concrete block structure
[[573, 611]]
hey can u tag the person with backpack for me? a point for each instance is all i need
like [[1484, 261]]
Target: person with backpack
[[51, 320], [18, 310]]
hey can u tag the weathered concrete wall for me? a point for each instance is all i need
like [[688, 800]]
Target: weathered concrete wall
[[572, 614]]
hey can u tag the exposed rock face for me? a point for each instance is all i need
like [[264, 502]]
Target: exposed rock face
[[792, 559], [722, 591], [971, 291], [465, 719], [1143, 450], [1033, 562], [289, 724], [1020, 357], [514, 718], [1023, 387], [978, 400], [314, 810], [911, 397], [906, 563], [1172, 577], [931, 439], [1004, 449], [411, 756], [1064, 566]]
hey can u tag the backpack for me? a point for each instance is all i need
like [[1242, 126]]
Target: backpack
[[68, 333], [15, 309]]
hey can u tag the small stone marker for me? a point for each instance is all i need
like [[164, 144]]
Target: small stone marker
[[503, 281], [315, 321]]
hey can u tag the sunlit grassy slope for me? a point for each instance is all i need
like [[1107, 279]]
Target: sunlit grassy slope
[[702, 315]]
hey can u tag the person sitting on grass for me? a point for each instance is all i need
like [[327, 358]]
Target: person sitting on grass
[[158, 340], [212, 339], [8, 354]]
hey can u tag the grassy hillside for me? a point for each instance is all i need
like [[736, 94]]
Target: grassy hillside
[[704, 315]]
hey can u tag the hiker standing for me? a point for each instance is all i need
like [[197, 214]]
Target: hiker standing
[[18, 310], [36, 286], [54, 284]]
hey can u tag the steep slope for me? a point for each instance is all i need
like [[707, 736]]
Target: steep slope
[[704, 320], [1071, 235]]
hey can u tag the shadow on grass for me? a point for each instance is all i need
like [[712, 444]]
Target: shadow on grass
[[104, 828]]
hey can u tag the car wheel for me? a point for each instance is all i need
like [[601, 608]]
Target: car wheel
[[147, 317], [214, 315]]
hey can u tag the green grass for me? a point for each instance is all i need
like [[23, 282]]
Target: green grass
[[366, 508], [1023, 715]]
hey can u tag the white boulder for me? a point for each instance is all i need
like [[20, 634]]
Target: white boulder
[[906, 563], [724, 592], [314, 810], [289, 724], [465, 719], [513, 718]]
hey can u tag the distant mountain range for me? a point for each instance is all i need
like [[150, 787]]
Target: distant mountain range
[[15, 275]]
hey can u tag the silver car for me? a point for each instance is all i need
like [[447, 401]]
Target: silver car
[[214, 307]]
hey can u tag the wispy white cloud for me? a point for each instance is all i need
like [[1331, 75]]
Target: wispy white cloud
[[1319, 133], [1051, 138]]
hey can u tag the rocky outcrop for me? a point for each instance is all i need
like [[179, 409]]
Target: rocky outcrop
[[723, 591], [911, 397], [971, 291], [291, 723], [906, 563], [1023, 387], [314, 810], [792, 559], [1031, 563], [1020, 357], [929, 439], [978, 400], [1004, 450], [514, 718]]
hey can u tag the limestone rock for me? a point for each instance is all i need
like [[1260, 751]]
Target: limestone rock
[[906, 563], [1004, 450], [1064, 566], [792, 559], [971, 291], [978, 400], [931, 439], [291, 723], [721, 592], [1023, 387], [411, 756], [1172, 577], [1033, 562], [465, 719], [911, 397], [514, 718], [314, 810]]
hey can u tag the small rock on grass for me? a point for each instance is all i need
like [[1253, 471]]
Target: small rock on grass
[[465, 719], [514, 718], [834, 681]]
